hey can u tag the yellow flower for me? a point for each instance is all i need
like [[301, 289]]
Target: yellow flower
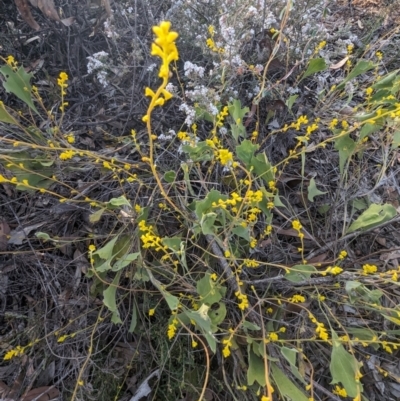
[[297, 298], [273, 336], [369, 269], [225, 156], [297, 225], [62, 338], [339, 391], [194, 344], [214, 277], [152, 312], [70, 138]]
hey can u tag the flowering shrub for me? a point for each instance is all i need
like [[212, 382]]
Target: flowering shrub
[[228, 249]]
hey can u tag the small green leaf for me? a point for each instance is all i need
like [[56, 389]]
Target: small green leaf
[[290, 355], [96, 216], [208, 290], [313, 190], [373, 216], [250, 326], [396, 140], [173, 243], [121, 201], [5, 116], [345, 145], [360, 68], [133, 324], [18, 83], [106, 252], [256, 370], [110, 298], [368, 129], [217, 316], [207, 223], [125, 261], [170, 176], [44, 236], [300, 273], [386, 82], [245, 152], [287, 389], [344, 368], [290, 101], [242, 232], [315, 65]]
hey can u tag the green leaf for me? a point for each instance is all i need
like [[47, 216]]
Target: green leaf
[[125, 261], [250, 326], [290, 101], [171, 300], [121, 201], [345, 145], [133, 324], [287, 389], [256, 370], [207, 223], [173, 243], [315, 65], [5, 116], [245, 152], [387, 81], [204, 323], [344, 368], [242, 232], [110, 299], [373, 216], [237, 113], [18, 83], [170, 176], [204, 206], [43, 236], [106, 252], [360, 68], [368, 129], [262, 167], [200, 152], [300, 273], [364, 334], [96, 216], [290, 355], [396, 140], [313, 190], [217, 316], [210, 292]]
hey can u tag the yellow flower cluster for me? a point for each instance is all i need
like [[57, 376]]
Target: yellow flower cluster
[[210, 41], [62, 83], [369, 269], [333, 270], [172, 327], [243, 300], [164, 47], [227, 342], [297, 298], [225, 157], [320, 329], [10, 60], [17, 351], [302, 120], [67, 154], [149, 238], [339, 391]]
